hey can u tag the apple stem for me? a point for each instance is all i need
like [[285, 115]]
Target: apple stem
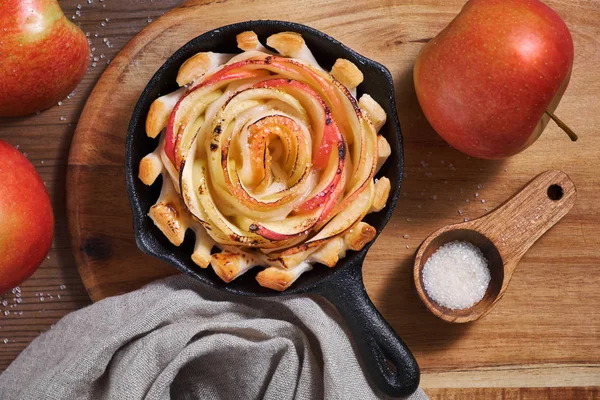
[[563, 126]]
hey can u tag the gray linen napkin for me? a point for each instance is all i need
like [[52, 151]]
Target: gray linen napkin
[[179, 339]]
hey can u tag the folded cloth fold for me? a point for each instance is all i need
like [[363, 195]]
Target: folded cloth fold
[[179, 339]]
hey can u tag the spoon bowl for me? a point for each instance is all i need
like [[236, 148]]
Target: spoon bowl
[[490, 252], [503, 236]]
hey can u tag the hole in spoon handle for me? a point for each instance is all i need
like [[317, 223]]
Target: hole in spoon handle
[[526, 216]]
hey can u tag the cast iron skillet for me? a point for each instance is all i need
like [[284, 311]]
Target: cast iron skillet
[[377, 342]]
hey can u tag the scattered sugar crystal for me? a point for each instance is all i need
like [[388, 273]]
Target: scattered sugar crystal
[[41, 299], [4, 303], [63, 118], [5, 341], [434, 197], [6, 313], [408, 219], [476, 195], [456, 276], [482, 201], [466, 219], [405, 236], [62, 287], [460, 211], [149, 19]]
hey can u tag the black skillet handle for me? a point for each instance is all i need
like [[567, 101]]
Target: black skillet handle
[[377, 342]]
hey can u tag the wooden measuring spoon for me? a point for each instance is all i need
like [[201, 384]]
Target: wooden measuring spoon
[[503, 236]]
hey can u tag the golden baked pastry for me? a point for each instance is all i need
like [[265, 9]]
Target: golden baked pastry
[[268, 158]]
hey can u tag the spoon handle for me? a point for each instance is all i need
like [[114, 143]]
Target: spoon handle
[[526, 216]]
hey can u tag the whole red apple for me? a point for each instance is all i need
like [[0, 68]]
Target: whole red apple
[[26, 219], [486, 80], [43, 56]]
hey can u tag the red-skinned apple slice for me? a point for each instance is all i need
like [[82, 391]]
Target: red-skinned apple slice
[[221, 77], [228, 174], [343, 221], [191, 123], [331, 134], [318, 211], [329, 85], [202, 206], [331, 137]]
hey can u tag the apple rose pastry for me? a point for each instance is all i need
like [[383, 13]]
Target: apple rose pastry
[[268, 158]]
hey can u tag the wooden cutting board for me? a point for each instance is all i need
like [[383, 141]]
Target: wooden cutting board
[[544, 333]]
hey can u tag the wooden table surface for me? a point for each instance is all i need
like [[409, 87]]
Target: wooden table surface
[[56, 288]]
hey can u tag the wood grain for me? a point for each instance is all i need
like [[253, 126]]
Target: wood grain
[[546, 330], [514, 394]]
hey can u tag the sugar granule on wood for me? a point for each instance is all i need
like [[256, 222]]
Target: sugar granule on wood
[[456, 275]]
